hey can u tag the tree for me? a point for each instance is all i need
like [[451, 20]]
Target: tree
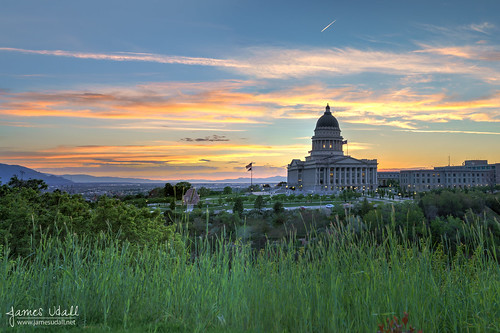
[[365, 207], [259, 202], [168, 190], [157, 192], [203, 192], [254, 188], [227, 190], [35, 184], [278, 207], [180, 189], [238, 206]]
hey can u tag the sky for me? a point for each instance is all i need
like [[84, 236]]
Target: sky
[[163, 89]]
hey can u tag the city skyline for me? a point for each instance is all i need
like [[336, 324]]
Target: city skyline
[[191, 90]]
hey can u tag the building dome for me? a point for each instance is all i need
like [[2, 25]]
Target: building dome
[[327, 120]]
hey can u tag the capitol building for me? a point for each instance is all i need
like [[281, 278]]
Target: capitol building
[[327, 168]]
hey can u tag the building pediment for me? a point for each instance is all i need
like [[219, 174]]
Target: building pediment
[[296, 162], [347, 160]]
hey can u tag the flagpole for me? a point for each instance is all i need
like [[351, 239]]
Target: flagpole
[[251, 177], [250, 168]]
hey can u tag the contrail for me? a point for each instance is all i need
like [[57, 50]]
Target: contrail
[[328, 25], [130, 56]]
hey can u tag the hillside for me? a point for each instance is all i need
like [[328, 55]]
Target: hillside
[[7, 171]]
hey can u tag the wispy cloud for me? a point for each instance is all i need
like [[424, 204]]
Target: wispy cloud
[[131, 56], [384, 122], [283, 63], [214, 108], [473, 52], [180, 107], [452, 132], [483, 27], [20, 124], [272, 62], [465, 32], [159, 158]]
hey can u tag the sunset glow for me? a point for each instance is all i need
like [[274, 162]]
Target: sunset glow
[[194, 93]]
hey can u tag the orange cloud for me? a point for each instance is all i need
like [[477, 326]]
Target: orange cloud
[[200, 108], [475, 52], [154, 156]]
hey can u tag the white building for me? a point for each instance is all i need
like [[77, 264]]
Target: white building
[[471, 173], [327, 168]]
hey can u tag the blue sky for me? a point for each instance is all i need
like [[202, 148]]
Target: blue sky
[[197, 89]]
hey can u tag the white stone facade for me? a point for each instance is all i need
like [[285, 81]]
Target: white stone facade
[[327, 168], [471, 173]]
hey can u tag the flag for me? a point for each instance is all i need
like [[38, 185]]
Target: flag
[[249, 167], [344, 142]]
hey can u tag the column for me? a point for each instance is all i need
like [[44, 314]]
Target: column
[[337, 175], [326, 173], [369, 178], [356, 176], [350, 176], [330, 176]]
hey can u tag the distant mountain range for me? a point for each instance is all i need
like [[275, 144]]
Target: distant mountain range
[[7, 171], [93, 179], [81, 178], [241, 180]]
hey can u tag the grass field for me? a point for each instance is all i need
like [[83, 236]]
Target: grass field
[[338, 282]]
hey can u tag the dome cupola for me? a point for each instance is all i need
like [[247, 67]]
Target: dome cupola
[[327, 140], [327, 119]]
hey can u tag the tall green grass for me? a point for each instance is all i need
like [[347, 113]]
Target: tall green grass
[[341, 281]]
